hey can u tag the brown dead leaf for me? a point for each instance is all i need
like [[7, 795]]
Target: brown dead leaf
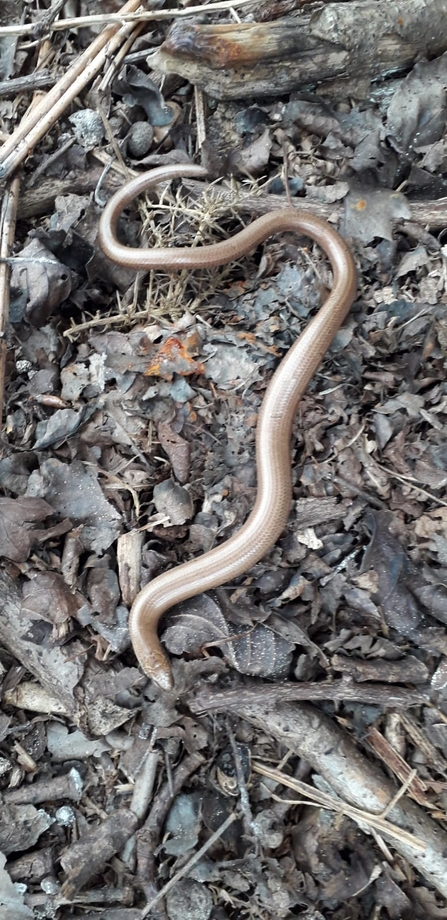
[[252, 159], [177, 449], [103, 592], [44, 281], [73, 491], [49, 598], [386, 557], [371, 214], [16, 518], [417, 112], [173, 500], [260, 651], [429, 475], [431, 523]]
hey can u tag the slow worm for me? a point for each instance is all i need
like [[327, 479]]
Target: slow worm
[[273, 462]]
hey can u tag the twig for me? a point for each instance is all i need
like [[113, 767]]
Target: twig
[[43, 116], [191, 862], [49, 16], [208, 699], [200, 117], [7, 234], [119, 57], [68, 786], [148, 837], [78, 22], [142, 792], [428, 213], [26, 84]]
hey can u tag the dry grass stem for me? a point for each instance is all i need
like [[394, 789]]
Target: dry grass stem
[[40, 120], [169, 295], [78, 22], [328, 801], [411, 483], [199, 222]]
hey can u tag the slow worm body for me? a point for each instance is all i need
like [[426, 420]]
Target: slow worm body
[[273, 463]]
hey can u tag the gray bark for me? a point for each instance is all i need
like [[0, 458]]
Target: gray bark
[[345, 44]]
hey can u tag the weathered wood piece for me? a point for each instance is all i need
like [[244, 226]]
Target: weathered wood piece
[[345, 44]]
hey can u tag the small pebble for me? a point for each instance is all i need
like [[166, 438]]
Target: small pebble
[[189, 900], [139, 139]]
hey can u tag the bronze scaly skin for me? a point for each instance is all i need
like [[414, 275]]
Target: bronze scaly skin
[[274, 479]]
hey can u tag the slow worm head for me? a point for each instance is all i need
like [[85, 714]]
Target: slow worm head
[[274, 489]]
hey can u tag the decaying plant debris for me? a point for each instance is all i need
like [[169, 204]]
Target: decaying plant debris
[[299, 767]]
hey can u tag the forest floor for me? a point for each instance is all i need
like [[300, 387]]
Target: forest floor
[[299, 766]]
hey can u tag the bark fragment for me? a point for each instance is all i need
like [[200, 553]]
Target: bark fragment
[[349, 43]]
